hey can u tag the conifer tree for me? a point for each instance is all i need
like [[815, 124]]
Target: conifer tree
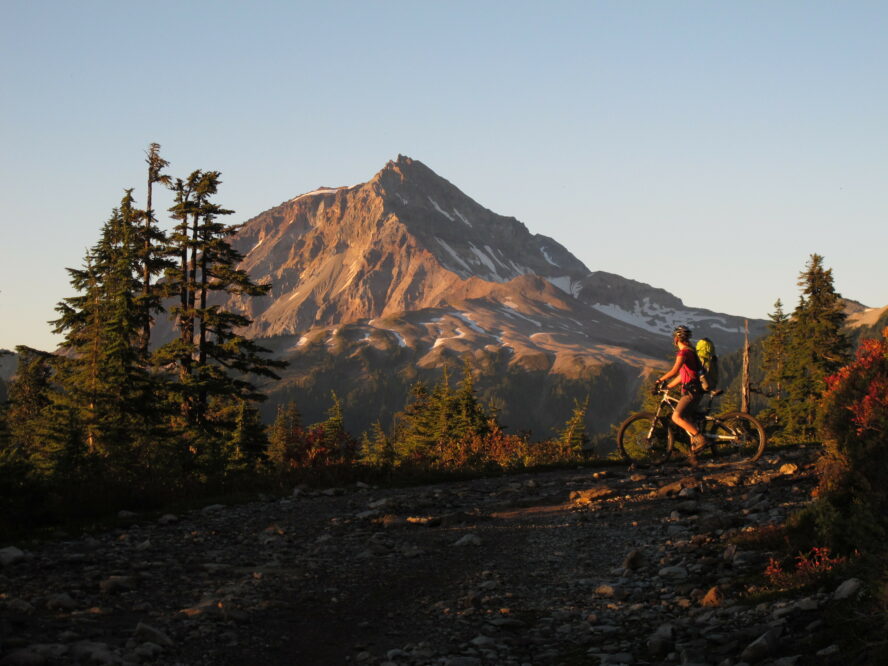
[[102, 379], [377, 449], [248, 442], [775, 348], [441, 409], [213, 358], [573, 436], [469, 416], [286, 436], [416, 426], [28, 399], [333, 427], [817, 349]]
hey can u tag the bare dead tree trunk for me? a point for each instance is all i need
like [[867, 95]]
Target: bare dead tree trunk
[[202, 337], [146, 270], [744, 385]]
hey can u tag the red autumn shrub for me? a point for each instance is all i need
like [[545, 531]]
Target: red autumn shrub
[[808, 568], [852, 507]]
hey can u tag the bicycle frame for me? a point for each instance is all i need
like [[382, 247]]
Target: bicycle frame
[[701, 417]]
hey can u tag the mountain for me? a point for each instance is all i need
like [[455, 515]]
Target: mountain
[[864, 322], [860, 316], [377, 285]]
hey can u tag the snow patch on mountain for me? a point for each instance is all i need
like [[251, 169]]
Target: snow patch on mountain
[[320, 190], [484, 259], [658, 319], [400, 338], [457, 259], [511, 310], [520, 270], [441, 210], [466, 318], [440, 341], [493, 254], [548, 258], [462, 217], [729, 329]]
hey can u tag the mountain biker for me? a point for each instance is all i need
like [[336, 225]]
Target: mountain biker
[[686, 372]]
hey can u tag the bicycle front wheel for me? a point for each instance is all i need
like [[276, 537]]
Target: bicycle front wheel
[[739, 436], [644, 439]]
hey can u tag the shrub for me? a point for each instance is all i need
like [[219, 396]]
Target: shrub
[[851, 510], [809, 568]]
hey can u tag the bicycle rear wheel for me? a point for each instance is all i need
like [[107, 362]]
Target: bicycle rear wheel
[[644, 439], [739, 436]]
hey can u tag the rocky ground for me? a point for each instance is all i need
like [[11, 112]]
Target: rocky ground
[[611, 566]]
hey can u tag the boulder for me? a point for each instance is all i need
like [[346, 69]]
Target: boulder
[[10, 555], [468, 540], [589, 495], [713, 598], [850, 589], [763, 646], [634, 560], [147, 633], [674, 573]]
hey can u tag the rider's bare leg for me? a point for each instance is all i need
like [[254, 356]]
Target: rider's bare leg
[[697, 440], [678, 418]]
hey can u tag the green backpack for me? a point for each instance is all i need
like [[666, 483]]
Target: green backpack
[[709, 361]]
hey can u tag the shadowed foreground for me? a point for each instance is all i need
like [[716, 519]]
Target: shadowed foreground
[[572, 566]]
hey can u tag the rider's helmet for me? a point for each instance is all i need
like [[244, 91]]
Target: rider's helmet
[[682, 333]]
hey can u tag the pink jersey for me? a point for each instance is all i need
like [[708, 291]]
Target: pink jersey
[[690, 367]]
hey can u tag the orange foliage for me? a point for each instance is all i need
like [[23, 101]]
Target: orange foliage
[[809, 568]]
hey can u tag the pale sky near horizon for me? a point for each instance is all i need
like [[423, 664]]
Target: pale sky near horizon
[[707, 148]]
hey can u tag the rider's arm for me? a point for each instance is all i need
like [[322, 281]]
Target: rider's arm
[[679, 361]]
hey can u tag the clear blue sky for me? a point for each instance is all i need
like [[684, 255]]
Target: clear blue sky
[[650, 138]]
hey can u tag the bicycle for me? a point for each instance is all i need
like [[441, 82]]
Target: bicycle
[[647, 438]]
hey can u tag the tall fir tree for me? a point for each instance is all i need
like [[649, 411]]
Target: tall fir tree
[[213, 358], [248, 442], [333, 427], [416, 425], [104, 390], [377, 448], [817, 349], [573, 436], [286, 436], [775, 348], [470, 418]]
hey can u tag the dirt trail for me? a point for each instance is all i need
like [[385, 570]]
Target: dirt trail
[[572, 566]]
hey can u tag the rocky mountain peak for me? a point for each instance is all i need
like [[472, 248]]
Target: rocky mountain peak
[[409, 239]]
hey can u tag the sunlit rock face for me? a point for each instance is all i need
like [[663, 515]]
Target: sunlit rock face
[[408, 240]]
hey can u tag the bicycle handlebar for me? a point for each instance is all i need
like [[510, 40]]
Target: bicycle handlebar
[[664, 390]]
